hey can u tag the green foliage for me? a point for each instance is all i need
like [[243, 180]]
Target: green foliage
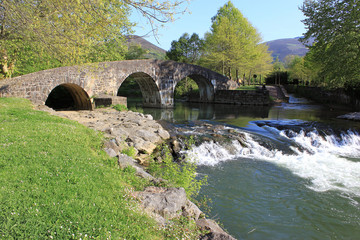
[[136, 52], [137, 109], [334, 26], [185, 88], [187, 49], [248, 88], [120, 107], [234, 44], [179, 174], [130, 151], [130, 88], [36, 35]]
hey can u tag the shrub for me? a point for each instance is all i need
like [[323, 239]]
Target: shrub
[[120, 107], [178, 174]]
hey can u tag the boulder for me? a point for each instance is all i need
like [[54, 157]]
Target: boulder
[[166, 202], [143, 146], [110, 152], [215, 232]]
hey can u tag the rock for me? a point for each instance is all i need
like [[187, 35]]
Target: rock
[[148, 136], [217, 236], [149, 117], [166, 202], [191, 210], [215, 231], [111, 144], [355, 116], [176, 145], [110, 152], [163, 133], [126, 161], [144, 146]]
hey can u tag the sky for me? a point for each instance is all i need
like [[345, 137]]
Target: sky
[[274, 19]]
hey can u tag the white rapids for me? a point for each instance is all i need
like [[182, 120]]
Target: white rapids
[[328, 162]]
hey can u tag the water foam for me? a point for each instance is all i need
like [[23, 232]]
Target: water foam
[[329, 162]]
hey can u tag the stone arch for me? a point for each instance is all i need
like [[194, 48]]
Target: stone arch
[[68, 96], [149, 89], [206, 89]]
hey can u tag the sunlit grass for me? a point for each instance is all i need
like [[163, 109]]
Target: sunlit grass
[[56, 182], [248, 87]]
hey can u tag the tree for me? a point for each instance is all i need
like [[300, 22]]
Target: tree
[[187, 49], [234, 43], [334, 24], [72, 32]]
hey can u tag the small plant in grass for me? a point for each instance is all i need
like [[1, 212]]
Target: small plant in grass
[[130, 151], [120, 107], [248, 88], [178, 174], [137, 109]]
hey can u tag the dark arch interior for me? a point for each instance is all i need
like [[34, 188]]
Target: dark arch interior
[[141, 85], [205, 92], [187, 90], [68, 96]]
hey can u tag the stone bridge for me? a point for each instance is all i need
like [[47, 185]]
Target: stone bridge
[[157, 80]]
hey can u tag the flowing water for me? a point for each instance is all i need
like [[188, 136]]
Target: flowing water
[[296, 177]]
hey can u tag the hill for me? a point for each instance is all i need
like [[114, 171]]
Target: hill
[[155, 52], [288, 46]]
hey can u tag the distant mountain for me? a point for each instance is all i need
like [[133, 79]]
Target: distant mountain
[[155, 52], [288, 46]]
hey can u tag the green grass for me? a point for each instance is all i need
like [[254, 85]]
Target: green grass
[[57, 182], [248, 87], [120, 107]]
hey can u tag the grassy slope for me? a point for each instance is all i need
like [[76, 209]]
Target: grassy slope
[[57, 183]]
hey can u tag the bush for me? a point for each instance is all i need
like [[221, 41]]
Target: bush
[[178, 174], [120, 107], [131, 152]]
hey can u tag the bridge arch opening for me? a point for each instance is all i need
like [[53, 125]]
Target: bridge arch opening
[[68, 96], [141, 85], [199, 89]]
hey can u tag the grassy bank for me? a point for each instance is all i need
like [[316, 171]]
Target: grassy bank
[[56, 182]]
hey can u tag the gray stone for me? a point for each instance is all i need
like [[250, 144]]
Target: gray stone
[[215, 231], [147, 135], [163, 133], [144, 146], [355, 116], [167, 202], [191, 210], [125, 161], [110, 152]]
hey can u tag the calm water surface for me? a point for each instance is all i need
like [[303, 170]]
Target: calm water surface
[[297, 178]]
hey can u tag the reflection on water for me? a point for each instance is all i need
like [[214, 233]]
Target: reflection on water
[[184, 111], [242, 116]]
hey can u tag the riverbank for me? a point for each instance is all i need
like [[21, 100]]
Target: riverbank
[[63, 200]]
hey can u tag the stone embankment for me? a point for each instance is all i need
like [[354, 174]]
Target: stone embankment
[[140, 132]]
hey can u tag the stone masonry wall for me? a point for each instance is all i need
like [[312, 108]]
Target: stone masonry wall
[[242, 97]]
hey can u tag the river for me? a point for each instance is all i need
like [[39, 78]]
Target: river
[[297, 177]]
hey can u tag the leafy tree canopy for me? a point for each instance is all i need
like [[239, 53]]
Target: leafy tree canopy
[[334, 24], [187, 49], [233, 43], [52, 33]]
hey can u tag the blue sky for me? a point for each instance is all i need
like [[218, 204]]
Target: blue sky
[[274, 19]]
